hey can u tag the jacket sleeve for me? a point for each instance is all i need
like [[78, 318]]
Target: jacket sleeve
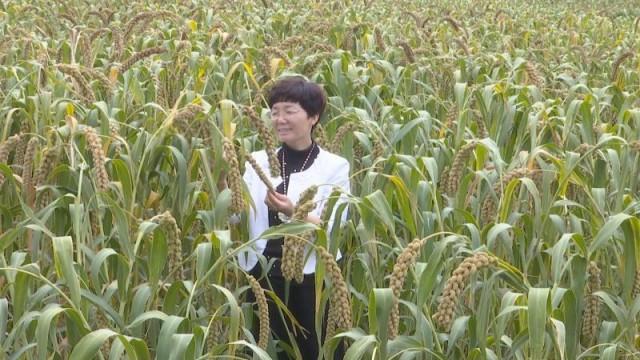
[[339, 180], [248, 175]]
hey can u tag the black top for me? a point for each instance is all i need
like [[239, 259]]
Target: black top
[[294, 161]]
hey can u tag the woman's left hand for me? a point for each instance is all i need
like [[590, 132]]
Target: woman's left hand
[[279, 202]]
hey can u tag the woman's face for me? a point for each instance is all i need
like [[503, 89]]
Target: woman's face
[[292, 124]]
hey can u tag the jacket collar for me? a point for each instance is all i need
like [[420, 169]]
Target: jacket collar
[[318, 163]]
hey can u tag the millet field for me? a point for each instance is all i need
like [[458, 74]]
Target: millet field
[[494, 150]]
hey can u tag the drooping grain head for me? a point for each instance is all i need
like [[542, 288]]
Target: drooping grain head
[[533, 76], [27, 171], [414, 16], [636, 285], [127, 64], [267, 138], [141, 21], [404, 262], [118, 44], [234, 177], [377, 152], [182, 120], [481, 128], [263, 177], [452, 117], [289, 256], [49, 161], [271, 52], [294, 246], [583, 148], [292, 41], [263, 311], [174, 244], [489, 205], [340, 316], [5, 149], [95, 74], [312, 65], [379, 40], [408, 52], [458, 166], [342, 132], [443, 182], [21, 147], [456, 284], [305, 203], [591, 314], [455, 25], [462, 43], [99, 159], [615, 67], [320, 136], [84, 90]]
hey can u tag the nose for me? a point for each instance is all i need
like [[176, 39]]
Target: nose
[[277, 118]]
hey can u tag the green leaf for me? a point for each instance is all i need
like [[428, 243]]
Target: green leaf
[[149, 315], [4, 317], [293, 228], [380, 205], [63, 255], [560, 336], [494, 232], [44, 329], [360, 347], [383, 300], [606, 232], [179, 344], [610, 352], [261, 354], [166, 336], [90, 344], [537, 309]]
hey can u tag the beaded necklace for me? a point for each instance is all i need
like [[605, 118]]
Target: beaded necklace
[[283, 171]]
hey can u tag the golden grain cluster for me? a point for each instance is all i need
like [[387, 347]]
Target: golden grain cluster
[[456, 284], [263, 310], [114, 114], [99, 159], [339, 301], [173, 236], [591, 316], [5, 149], [293, 249], [234, 177], [403, 263]]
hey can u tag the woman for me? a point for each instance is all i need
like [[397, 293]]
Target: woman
[[296, 107]]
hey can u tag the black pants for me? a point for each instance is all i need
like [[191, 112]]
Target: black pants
[[301, 304]]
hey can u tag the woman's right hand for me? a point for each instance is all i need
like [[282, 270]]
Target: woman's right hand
[[279, 202]]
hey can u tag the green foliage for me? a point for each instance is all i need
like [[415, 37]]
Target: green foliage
[[549, 92]]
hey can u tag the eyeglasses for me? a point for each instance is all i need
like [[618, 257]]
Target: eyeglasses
[[286, 111]]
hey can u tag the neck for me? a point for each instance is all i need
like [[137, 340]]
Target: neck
[[301, 145]]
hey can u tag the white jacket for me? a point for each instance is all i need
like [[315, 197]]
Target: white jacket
[[327, 170]]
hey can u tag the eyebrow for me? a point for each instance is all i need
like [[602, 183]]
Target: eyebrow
[[290, 106]]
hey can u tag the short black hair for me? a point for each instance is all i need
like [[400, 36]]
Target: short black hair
[[297, 89]]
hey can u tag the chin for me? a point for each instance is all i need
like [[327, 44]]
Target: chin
[[286, 138]]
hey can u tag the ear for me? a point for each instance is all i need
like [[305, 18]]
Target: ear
[[314, 119]]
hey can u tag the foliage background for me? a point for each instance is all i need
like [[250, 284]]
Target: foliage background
[[542, 96]]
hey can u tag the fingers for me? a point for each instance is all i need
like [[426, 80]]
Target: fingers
[[272, 201], [280, 197], [269, 201], [279, 202]]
